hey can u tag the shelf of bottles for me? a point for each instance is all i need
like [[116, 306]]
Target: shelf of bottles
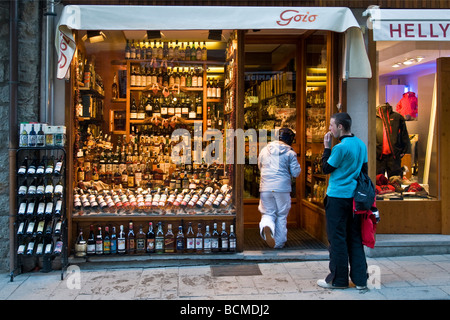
[[40, 226], [139, 177], [177, 237], [316, 127]]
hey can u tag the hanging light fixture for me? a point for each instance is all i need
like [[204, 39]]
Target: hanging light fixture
[[153, 34], [94, 36], [215, 35]]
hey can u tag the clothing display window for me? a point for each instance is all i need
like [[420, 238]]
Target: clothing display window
[[406, 139]]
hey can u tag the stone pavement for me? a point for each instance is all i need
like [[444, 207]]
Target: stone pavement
[[424, 277]]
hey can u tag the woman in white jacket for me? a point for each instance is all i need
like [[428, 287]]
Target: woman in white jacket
[[277, 163]]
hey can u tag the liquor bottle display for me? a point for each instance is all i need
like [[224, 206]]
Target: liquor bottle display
[[148, 242], [40, 218], [170, 184]]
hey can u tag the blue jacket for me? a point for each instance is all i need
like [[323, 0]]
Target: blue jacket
[[277, 163]]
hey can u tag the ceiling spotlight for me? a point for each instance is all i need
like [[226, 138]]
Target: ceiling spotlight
[[94, 36], [408, 62], [154, 34], [419, 58], [215, 35], [396, 65]]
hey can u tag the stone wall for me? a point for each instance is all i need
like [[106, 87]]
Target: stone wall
[[30, 16]]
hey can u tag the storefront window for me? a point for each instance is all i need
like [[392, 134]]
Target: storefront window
[[270, 101], [406, 120], [315, 117]]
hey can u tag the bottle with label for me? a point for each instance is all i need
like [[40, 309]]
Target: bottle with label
[[23, 140], [150, 238], [59, 189], [215, 239], [40, 137], [180, 240], [131, 239], [190, 239], [91, 244], [140, 241], [232, 239], [199, 239], [58, 166], [80, 245], [159, 239], [207, 240], [107, 242], [121, 247], [32, 137], [223, 239], [115, 87], [169, 240], [23, 167], [113, 241], [99, 242]]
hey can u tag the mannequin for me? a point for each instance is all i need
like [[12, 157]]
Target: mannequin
[[392, 140], [407, 106]]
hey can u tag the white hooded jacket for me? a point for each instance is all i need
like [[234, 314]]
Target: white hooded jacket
[[277, 163]]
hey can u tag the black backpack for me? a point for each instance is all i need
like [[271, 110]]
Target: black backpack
[[365, 192]]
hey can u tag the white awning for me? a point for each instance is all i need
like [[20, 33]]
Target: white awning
[[97, 17], [409, 25]]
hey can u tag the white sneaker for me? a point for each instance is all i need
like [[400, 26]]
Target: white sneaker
[[326, 285], [268, 237]]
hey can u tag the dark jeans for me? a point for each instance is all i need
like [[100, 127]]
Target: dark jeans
[[344, 236]]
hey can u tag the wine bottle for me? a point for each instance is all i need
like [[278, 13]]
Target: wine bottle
[[207, 240], [30, 246], [31, 208], [58, 226], [48, 247], [40, 137], [32, 167], [80, 245], [199, 239], [21, 228], [159, 239], [163, 198], [169, 240], [40, 248], [58, 166], [223, 239], [121, 248], [232, 239], [50, 166], [91, 241], [22, 247], [150, 238], [40, 170], [156, 198], [40, 189], [180, 240], [31, 226], [107, 242], [58, 208], [99, 242], [58, 246], [131, 239], [22, 209], [59, 189], [140, 241], [49, 188], [190, 239], [215, 239], [227, 198], [23, 188], [195, 198], [201, 201], [32, 137], [23, 167], [113, 241]]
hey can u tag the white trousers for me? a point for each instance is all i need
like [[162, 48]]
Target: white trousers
[[274, 208]]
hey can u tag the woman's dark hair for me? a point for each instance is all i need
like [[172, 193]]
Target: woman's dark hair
[[287, 135], [344, 119]]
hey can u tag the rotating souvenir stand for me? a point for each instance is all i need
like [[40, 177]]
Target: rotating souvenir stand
[[40, 221]]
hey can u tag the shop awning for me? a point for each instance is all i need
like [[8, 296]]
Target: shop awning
[[409, 25], [97, 17]]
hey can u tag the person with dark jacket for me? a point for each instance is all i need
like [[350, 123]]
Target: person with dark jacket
[[392, 140], [343, 163]]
